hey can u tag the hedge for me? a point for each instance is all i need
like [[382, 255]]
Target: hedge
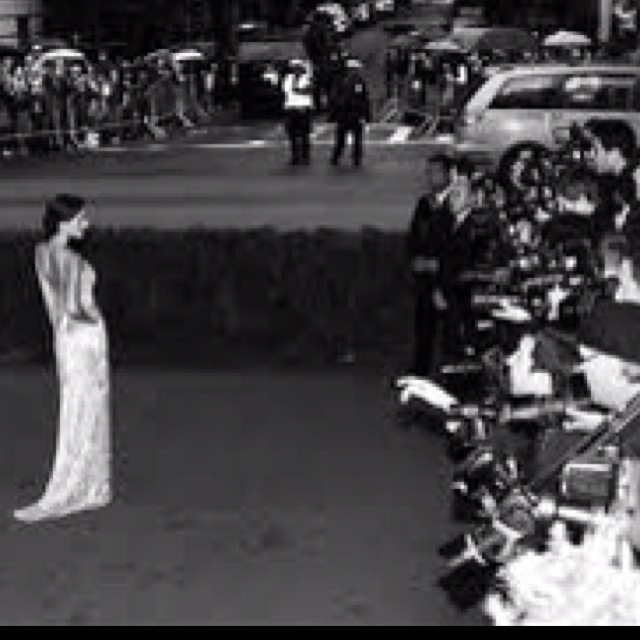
[[223, 297]]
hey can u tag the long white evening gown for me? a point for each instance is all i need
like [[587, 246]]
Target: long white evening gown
[[81, 476]]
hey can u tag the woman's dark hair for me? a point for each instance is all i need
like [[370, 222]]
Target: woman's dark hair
[[62, 208]]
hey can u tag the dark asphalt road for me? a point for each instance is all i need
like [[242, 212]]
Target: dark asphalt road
[[263, 498], [229, 177]]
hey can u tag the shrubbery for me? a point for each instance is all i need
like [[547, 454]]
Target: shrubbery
[[218, 298]]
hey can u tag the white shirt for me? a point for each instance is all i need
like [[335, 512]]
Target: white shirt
[[298, 91]]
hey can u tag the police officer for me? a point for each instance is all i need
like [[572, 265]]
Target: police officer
[[298, 111], [351, 110]]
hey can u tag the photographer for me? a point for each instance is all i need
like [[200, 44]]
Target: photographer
[[614, 158]]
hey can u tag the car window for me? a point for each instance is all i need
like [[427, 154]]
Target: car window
[[598, 92], [528, 92]]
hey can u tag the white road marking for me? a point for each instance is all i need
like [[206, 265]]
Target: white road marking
[[402, 135], [321, 130], [399, 135]]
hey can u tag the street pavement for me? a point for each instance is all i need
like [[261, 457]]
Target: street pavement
[[235, 174], [232, 176], [242, 498]]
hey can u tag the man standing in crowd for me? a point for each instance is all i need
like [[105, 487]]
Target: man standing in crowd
[[441, 248], [614, 161], [298, 109], [424, 263], [350, 110]]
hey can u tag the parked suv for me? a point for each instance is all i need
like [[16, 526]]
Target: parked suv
[[534, 106]]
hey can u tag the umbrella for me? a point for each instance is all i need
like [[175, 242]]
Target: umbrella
[[567, 39], [188, 56], [271, 51], [496, 39], [405, 41], [162, 54], [62, 54], [443, 46]]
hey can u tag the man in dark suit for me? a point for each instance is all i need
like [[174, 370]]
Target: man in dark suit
[[437, 252]]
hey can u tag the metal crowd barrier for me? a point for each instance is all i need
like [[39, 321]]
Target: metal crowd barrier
[[148, 113]]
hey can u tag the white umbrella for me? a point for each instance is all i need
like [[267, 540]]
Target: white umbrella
[[443, 46], [567, 39], [188, 55], [62, 54]]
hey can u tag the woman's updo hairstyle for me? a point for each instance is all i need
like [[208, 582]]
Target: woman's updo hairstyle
[[63, 208]]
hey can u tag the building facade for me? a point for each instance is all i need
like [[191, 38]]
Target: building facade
[[20, 21]]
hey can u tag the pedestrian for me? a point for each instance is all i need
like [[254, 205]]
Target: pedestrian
[[351, 110], [81, 476], [298, 110]]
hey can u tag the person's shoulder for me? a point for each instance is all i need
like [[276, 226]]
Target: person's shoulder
[[425, 205], [41, 251], [46, 252], [433, 202], [429, 209]]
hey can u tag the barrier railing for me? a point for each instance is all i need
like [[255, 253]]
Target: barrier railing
[[138, 114]]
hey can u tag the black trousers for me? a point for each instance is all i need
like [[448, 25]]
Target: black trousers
[[298, 126], [344, 130], [440, 337], [429, 323]]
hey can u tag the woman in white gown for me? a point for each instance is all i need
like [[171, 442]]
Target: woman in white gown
[[81, 475]]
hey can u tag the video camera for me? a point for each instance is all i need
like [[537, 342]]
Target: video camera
[[575, 478], [577, 483]]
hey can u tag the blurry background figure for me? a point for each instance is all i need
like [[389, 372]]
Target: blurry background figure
[[351, 110], [298, 87], [322, 47], [625, 26]]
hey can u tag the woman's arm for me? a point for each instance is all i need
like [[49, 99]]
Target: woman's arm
[[87, 302], [76, 290], [47, 287]]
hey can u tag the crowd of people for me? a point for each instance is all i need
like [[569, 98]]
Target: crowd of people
[[331, 82], [527, 316], [52, 103], [436, 77]]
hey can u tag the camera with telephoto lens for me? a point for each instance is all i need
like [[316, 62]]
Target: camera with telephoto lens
[[515, 517], [467, 428]]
